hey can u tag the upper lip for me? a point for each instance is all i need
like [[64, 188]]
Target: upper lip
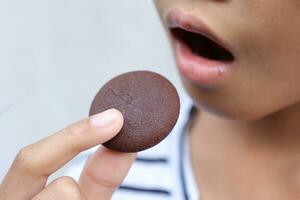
[[178, 19]]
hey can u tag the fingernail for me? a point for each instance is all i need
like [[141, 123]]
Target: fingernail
[[104, 119]]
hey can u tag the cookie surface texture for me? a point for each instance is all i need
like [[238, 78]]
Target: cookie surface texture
[[150, 106]]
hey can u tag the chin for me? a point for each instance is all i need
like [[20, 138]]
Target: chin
[[216, 102]]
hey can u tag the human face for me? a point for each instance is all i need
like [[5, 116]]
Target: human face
[[252, 69]]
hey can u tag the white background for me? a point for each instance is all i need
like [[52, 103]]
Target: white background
[[56, 54]]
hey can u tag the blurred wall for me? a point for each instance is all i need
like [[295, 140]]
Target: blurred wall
[[55, 55]]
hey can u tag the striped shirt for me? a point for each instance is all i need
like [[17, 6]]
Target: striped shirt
[[162, 172]]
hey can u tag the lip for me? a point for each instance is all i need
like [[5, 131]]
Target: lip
[[195, 67]]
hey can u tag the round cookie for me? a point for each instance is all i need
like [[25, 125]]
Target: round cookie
[[149, 104]]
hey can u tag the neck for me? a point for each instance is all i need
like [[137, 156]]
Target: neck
[[247, 160]]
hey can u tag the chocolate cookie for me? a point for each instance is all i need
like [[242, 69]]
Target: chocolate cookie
[[150, 106]]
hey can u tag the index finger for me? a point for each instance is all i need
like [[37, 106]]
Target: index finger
[[33, 165]]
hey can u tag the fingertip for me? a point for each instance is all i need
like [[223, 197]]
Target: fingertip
[[119, 119], [106, 125], [107, 118], [119, 116]]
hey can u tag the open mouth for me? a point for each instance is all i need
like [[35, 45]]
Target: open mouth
[[201, 45]]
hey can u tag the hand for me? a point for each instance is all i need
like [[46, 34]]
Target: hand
[[102, 174]]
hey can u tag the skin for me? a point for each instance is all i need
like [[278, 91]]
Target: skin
[[245, 140], [36, 162]]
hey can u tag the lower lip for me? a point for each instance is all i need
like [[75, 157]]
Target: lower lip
[[199, 69]]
